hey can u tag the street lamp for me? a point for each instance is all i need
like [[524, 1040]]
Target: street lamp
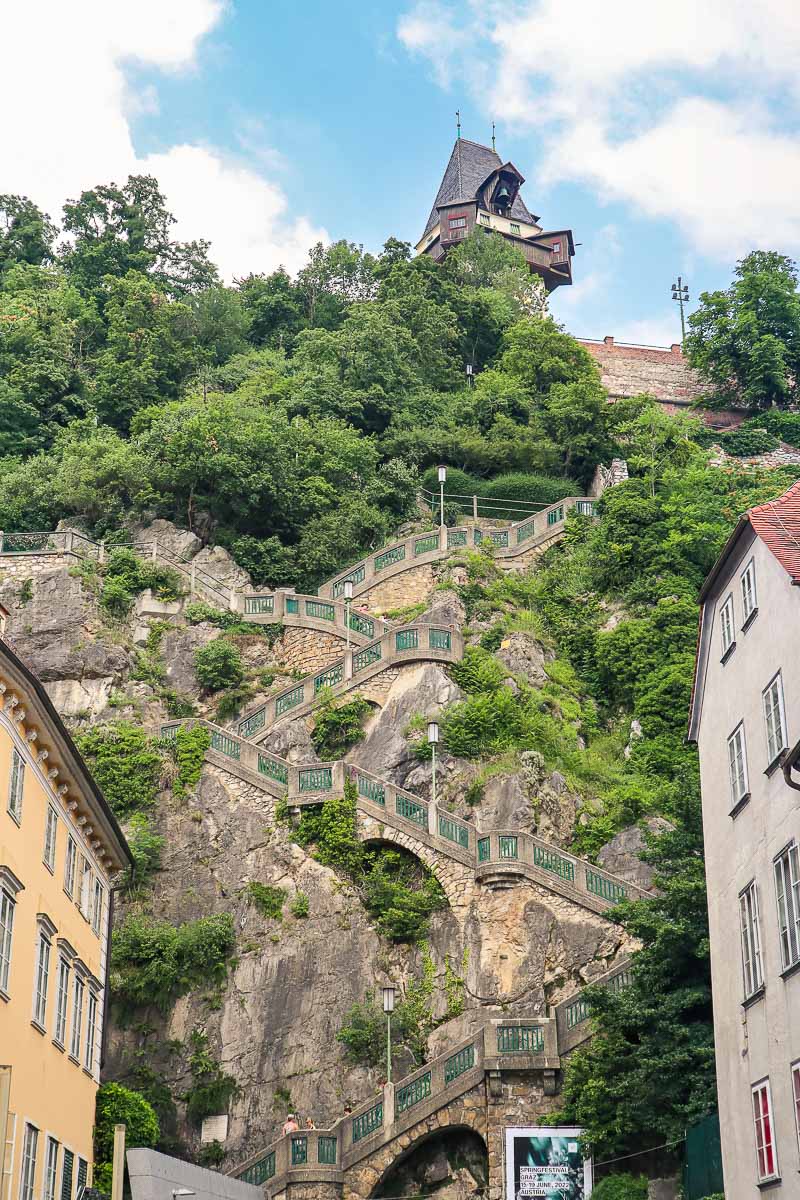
[[433, 738], [388, 1008], [680, 292], [348, 596], [177, 1192], [442, 477]]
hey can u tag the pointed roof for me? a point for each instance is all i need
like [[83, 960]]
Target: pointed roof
[[469, 167]]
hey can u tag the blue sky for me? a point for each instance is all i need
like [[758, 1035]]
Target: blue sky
[[666, 139]]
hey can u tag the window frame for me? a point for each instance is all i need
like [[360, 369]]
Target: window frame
[[740, 797], [749, 575], [70, 865], [41, 978], [794, 1075], [98, 903], [27, 1174], [457, 221], [16, 786], [762, 1087], [773, 756], [727, 627], [50, 1178], [789, 933], [78, 988], [61, 1023], [751, 944], [485, 219], [50, 839], [8, 904], [91, 1031]]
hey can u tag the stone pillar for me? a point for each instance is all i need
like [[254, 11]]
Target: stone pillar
[[388, 1105], [442, 537]]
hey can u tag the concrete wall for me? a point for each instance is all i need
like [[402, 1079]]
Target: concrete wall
[[155, 1176], [760, 1039]]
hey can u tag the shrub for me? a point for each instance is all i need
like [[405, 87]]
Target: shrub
[[211, 1088], [115, 1104], [125, 763], [488, 722], [338, 727], [218, 664], [332, 830], [145, 847], [743, 442], [299, 907], [125, 575], [189, 748], [621, 1187], [211, 1155], [155, 962], [268, 900]]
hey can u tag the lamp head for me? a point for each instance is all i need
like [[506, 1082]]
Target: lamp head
[[348, 589], [388, 999], [433, 732], [442, 474]]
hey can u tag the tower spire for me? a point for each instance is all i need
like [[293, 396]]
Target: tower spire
[[458, 122], [493, 145]]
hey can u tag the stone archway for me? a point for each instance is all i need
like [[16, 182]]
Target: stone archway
[[456, 879], [450, 1163]]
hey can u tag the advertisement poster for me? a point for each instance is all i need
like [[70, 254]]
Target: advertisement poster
[[547, 1163]]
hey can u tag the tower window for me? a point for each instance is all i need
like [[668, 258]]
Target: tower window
[[556, 247], [457, 222], [485, 219], [514, 227]]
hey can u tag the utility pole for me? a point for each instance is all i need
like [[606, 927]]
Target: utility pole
[[680, 292]]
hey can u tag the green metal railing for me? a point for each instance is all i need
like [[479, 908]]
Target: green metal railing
[[326, 1150], [320, 610], [526, 530], [424, 544], [576, 1013], [368, 1122], [362, 624], [555, 515], [252, 724], [606, 888], [299, 1151], [520, 1039], [456, 537], [484, 850], [273, 769], [289, 700], [292, 604], [411, 810], [454, 831], [406, 639], [329, 678], [586, 508], [363, 658], [499, 538], [439, 639], [508, 846], [617, 982], [370, 789], [458, 1063], [225, 745], [259, 1172], [315, 779], [396, 554], [253, 605], [551, 860], [356, 575], [409, 1095], [170, 732]]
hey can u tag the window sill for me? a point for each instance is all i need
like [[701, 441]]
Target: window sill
[[15, 817], [73, 1059], [739, 805], [86, 1071], [772, 767], [773, 1181], [750, 620], [757, 995], [791, 970], [47, 864], [59, 1045], [38, 1027], [728, 653], [4, 995]]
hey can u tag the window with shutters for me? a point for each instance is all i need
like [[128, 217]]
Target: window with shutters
[[77, 1017], [97, 906], [80, 1180], [749, 596], [766, 1156], [737, 763], [50, 1170], [457, 222], [69, 867], [751, 941], [91, 1031], [796, 1098], [66, 1175], [41, 980], [514, 227], [30, 1147], [787, 891], [774, 719], [16, 784], [726, 627], [50, 834], [6, 935], [62, 1002]]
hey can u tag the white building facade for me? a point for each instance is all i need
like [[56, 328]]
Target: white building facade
[[745, 720]]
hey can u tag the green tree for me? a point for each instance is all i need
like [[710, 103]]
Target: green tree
[[275, 308], [118, 1105], [746, 339], [334, 277], [125, 764], [26, 233]]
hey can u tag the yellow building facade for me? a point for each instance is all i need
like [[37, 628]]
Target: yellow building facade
[[61, 851]]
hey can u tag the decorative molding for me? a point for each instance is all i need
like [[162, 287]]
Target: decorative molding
[[32, 735], [66, 949], [9, 880], [46, 925]]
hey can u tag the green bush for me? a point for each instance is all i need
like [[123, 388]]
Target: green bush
[[300, 905], [521, 486], [145, 847], [744, 442], [267, 900], [154, 962], [621, 1187], [212, 1088], [125, 763], [218, 664], [189, 749], [125, 575], [115, 1104], [338, 727]]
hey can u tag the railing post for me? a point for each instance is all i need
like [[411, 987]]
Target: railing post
[[154, 551], [388, 1106], [68, 542], [2, 535], [442, 537], [432, 822], [474, 508]]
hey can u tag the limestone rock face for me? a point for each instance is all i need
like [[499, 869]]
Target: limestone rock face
[[622, 855], [180, 542], [525, 656]]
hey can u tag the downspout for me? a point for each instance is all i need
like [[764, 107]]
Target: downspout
[[789, 760]]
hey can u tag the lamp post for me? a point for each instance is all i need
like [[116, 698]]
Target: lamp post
[[348, 596], [433, 738], [680, 292], [442, 477], [388, 1008]]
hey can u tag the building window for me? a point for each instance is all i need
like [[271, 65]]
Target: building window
[[91, 1030], [751, 940], [97, 906], [726, 626], [85, 898], [80, 1181], [16, 783], [796, 1097], [77, 1016], [787, 889], [50, 833], [62, 1000], [6, 933], [66, 1175], [774, 718], [737, 761], [749, 597], [766, 1157], [28, 1174], [485, 219], [514, 227], [556, 248], [457, 222], [69, 868], [50, 1170], [42, 979]]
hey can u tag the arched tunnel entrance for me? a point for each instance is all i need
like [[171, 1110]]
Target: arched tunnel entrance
[[450, 1164]]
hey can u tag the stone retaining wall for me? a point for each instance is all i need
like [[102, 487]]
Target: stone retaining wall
[[23, 566], [410, 587], [308, 650]]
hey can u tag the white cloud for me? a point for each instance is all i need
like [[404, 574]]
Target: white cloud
[[685, 111], [68, 104]]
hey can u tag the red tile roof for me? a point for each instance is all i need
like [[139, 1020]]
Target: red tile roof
[[777, 523]]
